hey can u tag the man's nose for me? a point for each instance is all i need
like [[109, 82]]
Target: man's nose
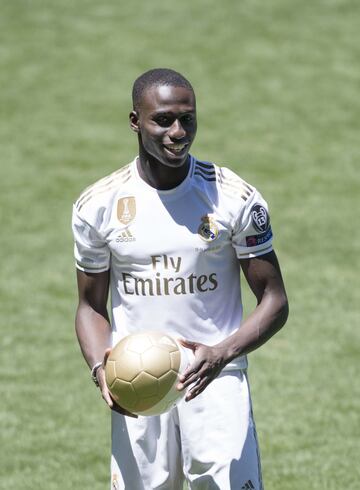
[[176, 130]]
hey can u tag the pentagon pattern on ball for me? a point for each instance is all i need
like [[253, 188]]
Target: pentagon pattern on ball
[[156, 361], [129, 369], [125, 388], [138, 344]]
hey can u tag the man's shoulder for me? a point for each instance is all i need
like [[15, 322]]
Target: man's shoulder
[[225, 180], [101, 191]]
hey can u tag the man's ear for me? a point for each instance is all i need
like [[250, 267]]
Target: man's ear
[[134, 121]]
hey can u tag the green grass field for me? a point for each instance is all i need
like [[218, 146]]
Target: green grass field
[[278, 100]]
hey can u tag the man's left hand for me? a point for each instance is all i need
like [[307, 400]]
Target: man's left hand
[[209, 361]]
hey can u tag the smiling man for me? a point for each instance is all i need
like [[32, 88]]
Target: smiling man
[[168, 234], [164, 117]]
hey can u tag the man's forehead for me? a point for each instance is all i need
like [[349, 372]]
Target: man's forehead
[[162, 96]]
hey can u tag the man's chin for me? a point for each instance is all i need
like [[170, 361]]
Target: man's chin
[[171, 159]]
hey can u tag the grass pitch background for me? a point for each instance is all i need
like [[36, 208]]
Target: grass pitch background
[[277, 84]]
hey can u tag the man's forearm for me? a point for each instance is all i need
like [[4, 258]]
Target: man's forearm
[[267, 318], [94, 333]]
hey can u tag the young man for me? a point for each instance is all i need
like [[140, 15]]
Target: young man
[[168, 234]]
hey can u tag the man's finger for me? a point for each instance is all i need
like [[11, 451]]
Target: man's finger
[[105, 394], [187, 382], [106, 355], [197, 389], [201, 373], [192, 369], [189, 344]]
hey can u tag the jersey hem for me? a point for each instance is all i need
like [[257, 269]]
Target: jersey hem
[[236, 364], [91, 270], [252, 255]]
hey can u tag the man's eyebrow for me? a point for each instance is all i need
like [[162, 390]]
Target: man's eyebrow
[[171, 113]]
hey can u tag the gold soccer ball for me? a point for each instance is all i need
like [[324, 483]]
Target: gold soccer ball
[[142, 372]]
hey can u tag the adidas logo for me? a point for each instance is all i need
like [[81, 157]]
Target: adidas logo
[[248, 485], [126, 236]]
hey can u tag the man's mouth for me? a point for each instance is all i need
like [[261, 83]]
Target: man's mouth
[[176, 147]]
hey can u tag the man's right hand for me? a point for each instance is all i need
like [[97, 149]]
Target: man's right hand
[[100, 375]]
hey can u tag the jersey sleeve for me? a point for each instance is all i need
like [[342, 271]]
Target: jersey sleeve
[[91, 252], [252, 234]]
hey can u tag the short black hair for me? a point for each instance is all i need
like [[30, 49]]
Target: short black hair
[[157, 77]]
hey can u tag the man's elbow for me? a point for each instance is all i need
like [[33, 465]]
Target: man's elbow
[[283, 310]]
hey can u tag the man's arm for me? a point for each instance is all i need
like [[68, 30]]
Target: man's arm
[[93, 328], [92, 320], [264, 278]]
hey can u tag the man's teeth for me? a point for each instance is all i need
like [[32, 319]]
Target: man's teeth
[[176, 148]]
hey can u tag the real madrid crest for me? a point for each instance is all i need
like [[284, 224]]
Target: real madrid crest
[[126, 209], [208, 229]]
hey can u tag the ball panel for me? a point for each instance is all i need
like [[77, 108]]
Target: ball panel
[[118, 349], [138, 343], [166, 382], [123, 392], [167, 343], [156, 361], [171, 398], [145, 404], [128, 365], [110, 372], [175, 359], [145, 385]]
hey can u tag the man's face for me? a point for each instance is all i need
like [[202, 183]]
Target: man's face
[[166, 124]]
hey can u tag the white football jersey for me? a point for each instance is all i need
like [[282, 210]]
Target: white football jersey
[[173, 254]]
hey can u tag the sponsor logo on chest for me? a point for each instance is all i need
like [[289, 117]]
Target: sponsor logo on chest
[[166, 278]]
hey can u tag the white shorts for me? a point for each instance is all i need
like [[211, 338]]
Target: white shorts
[[210, 442]]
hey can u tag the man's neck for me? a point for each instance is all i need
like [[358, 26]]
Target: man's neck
[[160, 176]]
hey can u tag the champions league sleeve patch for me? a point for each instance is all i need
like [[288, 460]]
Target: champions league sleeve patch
[[260, 221], [260, 218], [254, 240]]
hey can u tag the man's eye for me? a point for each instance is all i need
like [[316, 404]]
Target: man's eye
[[188, 118], [162, 120]]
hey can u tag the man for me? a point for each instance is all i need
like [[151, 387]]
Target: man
[[168, 235]]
